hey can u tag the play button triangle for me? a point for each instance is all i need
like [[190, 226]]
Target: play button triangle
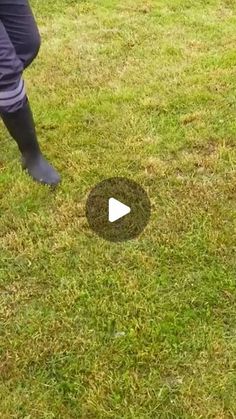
[[117, 210]]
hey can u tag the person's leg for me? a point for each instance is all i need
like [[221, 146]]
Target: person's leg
[[22, 30], [14, 105], [12, 89]]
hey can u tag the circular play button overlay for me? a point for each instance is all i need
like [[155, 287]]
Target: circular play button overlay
[[118, 209]]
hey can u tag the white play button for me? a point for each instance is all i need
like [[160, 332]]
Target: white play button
[[117, 210]]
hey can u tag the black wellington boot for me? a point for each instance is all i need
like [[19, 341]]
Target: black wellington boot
[[21, 127]]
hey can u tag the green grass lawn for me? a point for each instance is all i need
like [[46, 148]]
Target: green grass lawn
[[144, 89]]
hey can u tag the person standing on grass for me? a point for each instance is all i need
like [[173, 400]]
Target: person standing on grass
[[19, 45]]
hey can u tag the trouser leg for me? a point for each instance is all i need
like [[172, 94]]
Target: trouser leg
[[22, 29], [12, 89]]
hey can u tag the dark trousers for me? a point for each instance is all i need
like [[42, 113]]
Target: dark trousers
[[19, 45]]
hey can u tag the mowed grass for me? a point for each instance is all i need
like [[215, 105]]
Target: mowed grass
[[147, 328]]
